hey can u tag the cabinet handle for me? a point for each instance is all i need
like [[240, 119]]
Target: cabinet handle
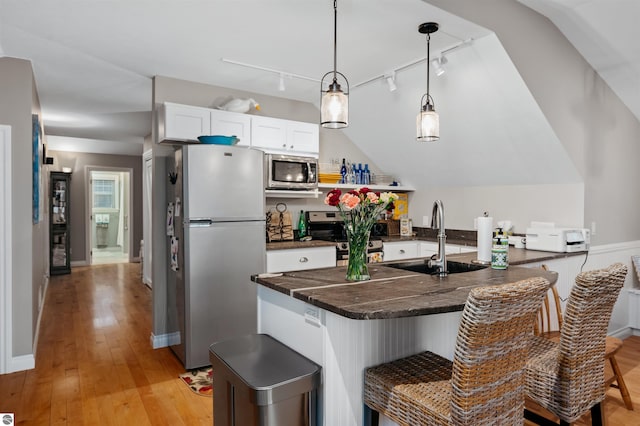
[[284, 145], [401, 251], [303, 259], [291, 147]]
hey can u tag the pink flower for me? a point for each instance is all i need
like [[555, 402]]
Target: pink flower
[[372, 197], [349, 200]]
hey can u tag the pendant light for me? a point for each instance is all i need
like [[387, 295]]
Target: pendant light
[[334, 102], [428, 122]]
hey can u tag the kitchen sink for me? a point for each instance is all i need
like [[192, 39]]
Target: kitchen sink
[[422, 266]]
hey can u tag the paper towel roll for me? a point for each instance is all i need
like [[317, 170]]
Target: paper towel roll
[[485, 238]]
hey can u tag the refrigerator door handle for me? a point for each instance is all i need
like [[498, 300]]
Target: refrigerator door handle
[[199, 222]]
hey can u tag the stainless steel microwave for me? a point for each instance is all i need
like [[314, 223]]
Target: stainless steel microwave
[[290, 172]]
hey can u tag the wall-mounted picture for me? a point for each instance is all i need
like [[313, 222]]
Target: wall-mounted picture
[[36, 168]]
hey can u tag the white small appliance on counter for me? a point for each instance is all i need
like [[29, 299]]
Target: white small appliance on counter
[[561, 240]]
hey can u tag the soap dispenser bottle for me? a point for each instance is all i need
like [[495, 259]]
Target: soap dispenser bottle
[[500, 250]]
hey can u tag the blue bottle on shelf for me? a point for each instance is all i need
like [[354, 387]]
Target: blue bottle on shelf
[[343, 171], [366, 175]]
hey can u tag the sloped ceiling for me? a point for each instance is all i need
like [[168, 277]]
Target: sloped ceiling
[[606, 33], [94, 61]]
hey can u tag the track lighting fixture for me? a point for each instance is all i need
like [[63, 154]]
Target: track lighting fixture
[[438, 65], [391, 81]]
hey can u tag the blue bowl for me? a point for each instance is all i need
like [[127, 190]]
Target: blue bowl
[[219, 140]]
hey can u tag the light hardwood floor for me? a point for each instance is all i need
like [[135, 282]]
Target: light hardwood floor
[[95, 365]]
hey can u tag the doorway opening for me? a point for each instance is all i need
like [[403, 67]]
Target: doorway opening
[[109, 202]]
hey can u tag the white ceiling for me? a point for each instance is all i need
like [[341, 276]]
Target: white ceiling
[[94, 60]]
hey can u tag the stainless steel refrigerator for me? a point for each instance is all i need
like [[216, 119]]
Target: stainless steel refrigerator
[[221, 243]]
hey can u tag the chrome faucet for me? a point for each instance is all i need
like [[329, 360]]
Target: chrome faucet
[[437, 222]]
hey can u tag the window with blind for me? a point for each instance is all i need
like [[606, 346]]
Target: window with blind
[[104, 193]]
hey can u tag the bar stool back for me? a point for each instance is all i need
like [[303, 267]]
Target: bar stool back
[[567, 377], [485, 382]]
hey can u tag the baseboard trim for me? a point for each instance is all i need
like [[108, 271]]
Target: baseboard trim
[[611, 248], [622, 333], [165, 340], [22, 362]]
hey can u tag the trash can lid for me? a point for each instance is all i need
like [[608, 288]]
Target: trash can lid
[[263, 363]]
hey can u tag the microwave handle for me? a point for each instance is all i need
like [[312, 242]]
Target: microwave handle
[[311, 173]]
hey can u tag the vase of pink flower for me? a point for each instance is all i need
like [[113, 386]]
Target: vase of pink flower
[[360, 210]]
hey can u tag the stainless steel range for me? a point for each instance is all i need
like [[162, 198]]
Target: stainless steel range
[[329, 226]]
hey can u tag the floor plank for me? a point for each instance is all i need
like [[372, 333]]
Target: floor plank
[[94, 363]]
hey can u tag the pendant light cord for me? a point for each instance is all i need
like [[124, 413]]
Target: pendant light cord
[[335, 39], [428, 64]]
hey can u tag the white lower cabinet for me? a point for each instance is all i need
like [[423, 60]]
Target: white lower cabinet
[[399, 250], [300, 259]]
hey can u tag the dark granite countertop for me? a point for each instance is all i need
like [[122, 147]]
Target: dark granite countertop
[[394, 293]]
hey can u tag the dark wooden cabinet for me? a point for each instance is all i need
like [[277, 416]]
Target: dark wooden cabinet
[[59, 225]]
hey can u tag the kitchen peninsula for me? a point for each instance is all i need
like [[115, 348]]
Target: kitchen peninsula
[[348, 326]]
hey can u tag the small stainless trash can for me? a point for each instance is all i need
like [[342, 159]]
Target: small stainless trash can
[[257, 380]]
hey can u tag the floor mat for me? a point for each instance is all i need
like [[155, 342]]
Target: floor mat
[[199, 381]]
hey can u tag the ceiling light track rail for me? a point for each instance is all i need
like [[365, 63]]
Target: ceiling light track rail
[[448, 50], [272, 70]]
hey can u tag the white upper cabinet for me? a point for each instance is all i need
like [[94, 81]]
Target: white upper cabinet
[[227, 123], [303, 137], [182, 123], [284, 136]]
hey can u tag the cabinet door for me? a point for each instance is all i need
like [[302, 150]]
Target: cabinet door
[[268, 133], [227, 123], [303, 137], [428, 249], [400, 250], [184, 123], [300, 259]]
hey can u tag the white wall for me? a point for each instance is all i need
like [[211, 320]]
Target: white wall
[[596, 129]]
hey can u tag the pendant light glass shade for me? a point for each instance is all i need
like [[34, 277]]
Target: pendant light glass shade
[[428, 121], [334, 107], [334, 102]]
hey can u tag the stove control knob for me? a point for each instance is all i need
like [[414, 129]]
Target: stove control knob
[[344, 246]]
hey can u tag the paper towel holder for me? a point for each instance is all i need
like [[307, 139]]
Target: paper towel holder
[[480, 261]]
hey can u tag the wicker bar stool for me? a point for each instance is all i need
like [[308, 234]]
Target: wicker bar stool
[[566, 377], [546, 326], [485, 382]]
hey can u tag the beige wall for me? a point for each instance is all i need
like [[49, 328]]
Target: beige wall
[[18, 100]]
